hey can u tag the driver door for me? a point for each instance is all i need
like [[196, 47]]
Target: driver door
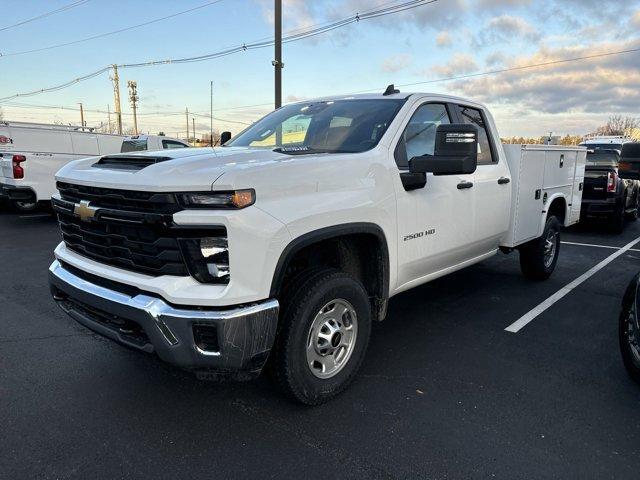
[[435, 222]]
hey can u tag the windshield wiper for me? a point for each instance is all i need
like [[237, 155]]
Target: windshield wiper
[[302, 150]]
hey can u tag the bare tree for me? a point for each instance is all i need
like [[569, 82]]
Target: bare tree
[[619, 125], [1, 115]]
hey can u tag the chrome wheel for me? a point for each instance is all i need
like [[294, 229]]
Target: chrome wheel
[[332, 338], [633, 336], [550, 247], [25, 206]]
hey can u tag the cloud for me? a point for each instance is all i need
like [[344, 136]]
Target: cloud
[[502, 4], [295, 13], [503, 29], [396, 63], [295, 98], [460, 64], [438, 15], [495, 58], [601, 85], [443, 39], [635, 19]]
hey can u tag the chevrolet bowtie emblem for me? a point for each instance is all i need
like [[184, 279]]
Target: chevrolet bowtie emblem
[[84, 211]]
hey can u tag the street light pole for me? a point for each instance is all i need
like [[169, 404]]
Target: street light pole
[[211, 114], [277, 63]]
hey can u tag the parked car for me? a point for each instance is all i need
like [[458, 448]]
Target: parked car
[[607, 142], [31, 154], [629, 329], [607, 195], [287, 243]]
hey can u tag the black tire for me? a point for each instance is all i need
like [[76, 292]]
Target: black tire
[[633, 215], [24, 206], [289, 365], [532, 254], [630, 360], [616, 223]]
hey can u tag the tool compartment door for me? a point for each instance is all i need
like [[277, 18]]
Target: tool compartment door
[[529, 196]]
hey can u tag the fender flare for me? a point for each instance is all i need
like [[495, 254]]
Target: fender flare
[[567, 210], [327, 233]]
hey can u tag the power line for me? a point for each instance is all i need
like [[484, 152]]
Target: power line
[[106, 34], [310, 32], [47, 14], [244, 47]]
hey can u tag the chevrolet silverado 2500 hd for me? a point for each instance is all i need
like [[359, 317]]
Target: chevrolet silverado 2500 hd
[[281, 247]]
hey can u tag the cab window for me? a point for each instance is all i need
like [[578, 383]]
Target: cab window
[[168, 144], [419, 137], [473, 116]]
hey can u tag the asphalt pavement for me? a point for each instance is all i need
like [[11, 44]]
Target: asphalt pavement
[[445, 391]]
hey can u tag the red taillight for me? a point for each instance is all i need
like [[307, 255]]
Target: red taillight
[[612, 182], [18, 171]]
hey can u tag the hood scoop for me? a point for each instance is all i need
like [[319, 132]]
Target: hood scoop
[[128, 162]]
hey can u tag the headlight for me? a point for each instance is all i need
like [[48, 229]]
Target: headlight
[[213, 200], [207, 258]]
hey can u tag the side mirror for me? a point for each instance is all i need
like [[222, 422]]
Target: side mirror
[[629, 165], [225, 137], [456, 152]]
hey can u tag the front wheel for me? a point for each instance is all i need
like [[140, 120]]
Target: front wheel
[[323, 337], [538, 258], [629, 333]]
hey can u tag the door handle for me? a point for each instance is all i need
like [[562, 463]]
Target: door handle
[[463, 185], [503, 180]]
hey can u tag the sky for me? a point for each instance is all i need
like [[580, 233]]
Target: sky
[[420, 46]]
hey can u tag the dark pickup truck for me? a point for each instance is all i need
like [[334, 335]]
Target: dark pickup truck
[[607, 195]]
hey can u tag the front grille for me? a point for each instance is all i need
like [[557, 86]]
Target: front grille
[[126, 200], [131, 230]]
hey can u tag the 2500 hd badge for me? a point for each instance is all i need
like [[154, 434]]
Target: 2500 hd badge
[[412, 236]]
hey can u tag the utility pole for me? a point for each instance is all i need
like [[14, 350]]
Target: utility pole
[[186, 112], [193, 123], [133, 97], [211, 114], [277, 63], [82, 124], [109, 117], [116, 97]]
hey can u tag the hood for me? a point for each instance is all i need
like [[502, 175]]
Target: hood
[[189, 169]]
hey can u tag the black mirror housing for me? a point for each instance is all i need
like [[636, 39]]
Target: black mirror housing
[[629, 165], [455, 153], [225, 137]]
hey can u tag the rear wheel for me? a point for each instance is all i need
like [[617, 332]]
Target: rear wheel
[[538, 258], [323, 337], [633, 214], [616, 223], [24, 206]]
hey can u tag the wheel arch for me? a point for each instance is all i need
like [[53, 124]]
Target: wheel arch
[[558, 207], [373, 264]]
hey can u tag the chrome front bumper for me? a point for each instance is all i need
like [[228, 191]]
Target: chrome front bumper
[[238, 340]]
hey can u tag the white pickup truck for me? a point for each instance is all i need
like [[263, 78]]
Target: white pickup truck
[[32, 153], [282, 246]]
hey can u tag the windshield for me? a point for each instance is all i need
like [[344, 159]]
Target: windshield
[[603, 158], [333, 126]]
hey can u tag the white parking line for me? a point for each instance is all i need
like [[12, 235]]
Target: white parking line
[[599, 246], [36, 215], [516, 326]]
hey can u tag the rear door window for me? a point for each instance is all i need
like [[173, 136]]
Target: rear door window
[[134, 145]]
